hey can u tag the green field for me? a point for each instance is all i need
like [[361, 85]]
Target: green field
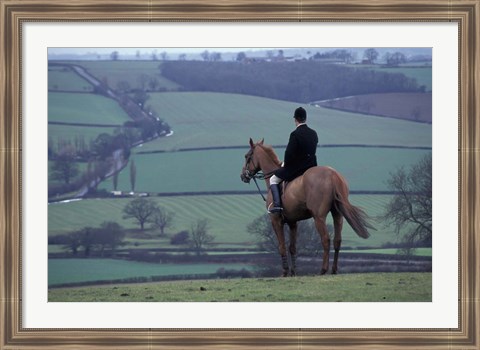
[[63, 271], [393, 251], [228, 217], [127, 71], [215, 119], [84, 108], [375, 287], [366, 169], [64, 79]]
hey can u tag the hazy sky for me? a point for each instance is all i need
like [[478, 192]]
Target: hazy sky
[[132, 51]]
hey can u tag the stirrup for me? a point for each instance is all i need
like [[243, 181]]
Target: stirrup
[[274, 210]]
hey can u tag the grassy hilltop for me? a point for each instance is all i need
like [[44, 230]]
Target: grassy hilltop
[[377, 287]]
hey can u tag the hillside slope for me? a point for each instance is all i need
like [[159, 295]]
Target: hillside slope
[[215, 119]]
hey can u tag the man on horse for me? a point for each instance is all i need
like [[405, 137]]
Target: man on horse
[[300, 155]]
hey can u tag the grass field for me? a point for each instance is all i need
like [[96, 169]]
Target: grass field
[[374, 287], [408, 106], [393, 251], [63, 78], [63, 271], [214, 119], [366, 169], [128, 71], [228, 217], [84, 108]]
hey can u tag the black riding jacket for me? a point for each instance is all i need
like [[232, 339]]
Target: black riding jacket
[[300, 154]]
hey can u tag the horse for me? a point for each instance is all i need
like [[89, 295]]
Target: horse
[[320, 190]]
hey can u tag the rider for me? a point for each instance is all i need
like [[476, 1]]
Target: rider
[[299, 156]]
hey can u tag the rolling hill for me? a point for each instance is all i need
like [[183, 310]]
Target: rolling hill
[[201, 161]]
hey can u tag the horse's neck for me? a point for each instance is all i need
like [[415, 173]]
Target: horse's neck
[[267, 164]]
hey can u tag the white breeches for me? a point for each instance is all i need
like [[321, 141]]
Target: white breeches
[[275, 180]]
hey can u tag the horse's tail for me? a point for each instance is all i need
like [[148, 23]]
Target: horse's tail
[[355, 216]]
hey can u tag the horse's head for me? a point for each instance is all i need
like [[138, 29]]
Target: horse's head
[[252, 165]]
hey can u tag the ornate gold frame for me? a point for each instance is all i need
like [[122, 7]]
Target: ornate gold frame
[[13, 13]]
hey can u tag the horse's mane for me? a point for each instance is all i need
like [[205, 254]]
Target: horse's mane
[[271, 153]]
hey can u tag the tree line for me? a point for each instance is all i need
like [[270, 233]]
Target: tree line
[[302, 81], [106, 238], [110, 235]]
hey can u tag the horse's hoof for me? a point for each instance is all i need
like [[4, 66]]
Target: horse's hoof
[[323, 272], [285, 274], [334, 272], [293, 273]]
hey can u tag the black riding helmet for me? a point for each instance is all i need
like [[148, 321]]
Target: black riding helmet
[[300, 114]]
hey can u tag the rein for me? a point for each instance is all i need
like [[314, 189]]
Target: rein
[[259, 190], [261, 176]]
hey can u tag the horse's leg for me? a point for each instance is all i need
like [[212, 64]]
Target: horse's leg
[[337, 240], [293, 247], [278, 228], [321, 226]]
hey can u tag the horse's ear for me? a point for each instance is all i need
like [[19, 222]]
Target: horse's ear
[[251, 143], [261, 142]]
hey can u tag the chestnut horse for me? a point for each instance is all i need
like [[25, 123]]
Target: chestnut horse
[[317, 192]]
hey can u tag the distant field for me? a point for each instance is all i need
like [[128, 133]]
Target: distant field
[[228, 217], [62, 271], [214, 119], [392, 251], [84, 108], [409, 106], [366, 169], [371, 287], [128, 71], [64, 79]]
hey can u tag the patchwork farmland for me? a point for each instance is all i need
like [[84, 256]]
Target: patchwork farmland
[[194, 172]]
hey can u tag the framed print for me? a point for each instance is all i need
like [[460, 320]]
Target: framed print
[[33, 32]]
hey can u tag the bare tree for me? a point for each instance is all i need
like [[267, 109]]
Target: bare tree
[[162, 219], [370, 55], [141, 210], [411, 208], [199, 236]]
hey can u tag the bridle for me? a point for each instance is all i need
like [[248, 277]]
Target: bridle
[[255, 174]]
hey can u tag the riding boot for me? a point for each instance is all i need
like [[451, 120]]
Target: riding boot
[[276, 206]]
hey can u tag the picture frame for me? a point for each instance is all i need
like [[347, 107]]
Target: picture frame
[[15, 13]]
